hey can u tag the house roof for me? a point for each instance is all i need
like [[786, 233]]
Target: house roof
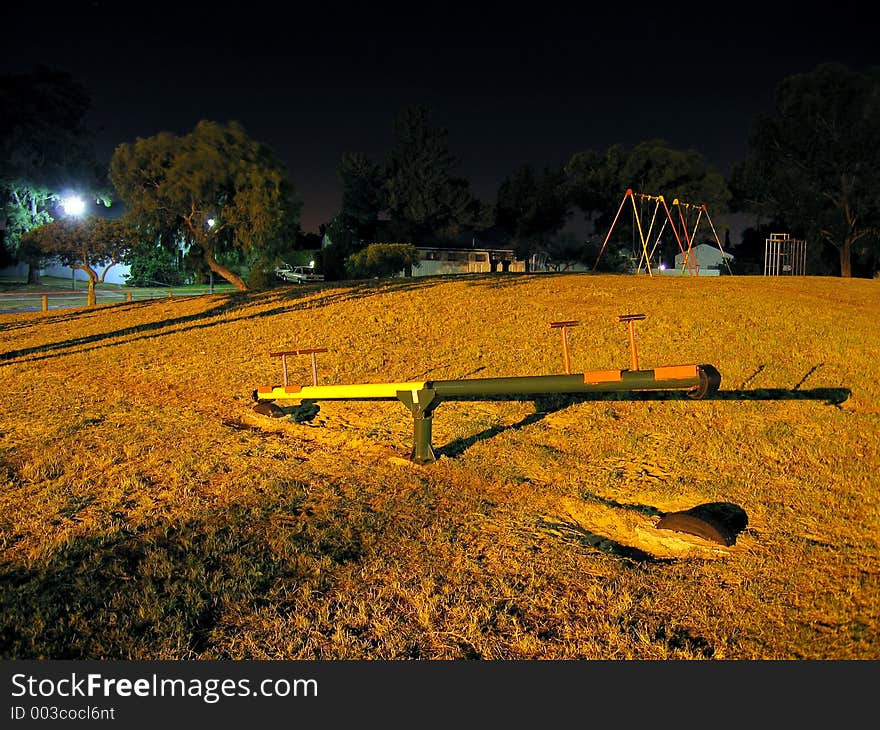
[[709, 247]]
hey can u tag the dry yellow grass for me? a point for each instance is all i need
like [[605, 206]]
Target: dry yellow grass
[[147, 512]]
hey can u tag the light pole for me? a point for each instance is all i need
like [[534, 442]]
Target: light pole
[[211, 224], [73, 205]]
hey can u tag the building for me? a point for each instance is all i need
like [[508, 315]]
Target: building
[[437, 260], [708, 259]]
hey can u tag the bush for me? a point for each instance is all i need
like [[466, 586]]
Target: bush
[[262, 277], [613, 259], [155, 265], [381, 260]]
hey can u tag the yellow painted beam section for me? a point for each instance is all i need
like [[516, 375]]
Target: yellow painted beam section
[[375, 391]]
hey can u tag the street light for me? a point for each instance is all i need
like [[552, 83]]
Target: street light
[[73, 205], [211, 223]]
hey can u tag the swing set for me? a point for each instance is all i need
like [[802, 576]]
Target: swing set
[[684, 230]]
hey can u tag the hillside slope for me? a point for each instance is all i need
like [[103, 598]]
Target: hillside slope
[[147, 512]]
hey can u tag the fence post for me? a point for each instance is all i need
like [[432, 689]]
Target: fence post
[[128, 296], [45, 299]]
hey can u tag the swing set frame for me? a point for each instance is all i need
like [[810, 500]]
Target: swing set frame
[[684, 234]]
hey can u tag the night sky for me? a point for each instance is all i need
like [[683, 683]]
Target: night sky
[[511, 86]]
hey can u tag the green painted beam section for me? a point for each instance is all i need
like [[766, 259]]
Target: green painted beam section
[[541, 384]]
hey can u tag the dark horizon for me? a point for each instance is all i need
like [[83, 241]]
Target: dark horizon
[[508, 89]]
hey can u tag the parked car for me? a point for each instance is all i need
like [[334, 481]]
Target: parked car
[[298, 274]]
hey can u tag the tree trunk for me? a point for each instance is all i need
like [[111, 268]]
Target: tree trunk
[[231, 277], [33, 275], [846, 259], [522, 249]]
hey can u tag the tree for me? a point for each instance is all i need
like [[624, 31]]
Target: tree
[[563, 251], [88, 245], [596, 183], [307, 241], [815, 160], [154, 264], [215, 189], [45, 150], [363, 195], [592, 184], [655, 167], [343, 242], [532, 207], [382, 259], [423, 196]]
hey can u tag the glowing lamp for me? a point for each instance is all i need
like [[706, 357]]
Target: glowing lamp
[[73, 205]]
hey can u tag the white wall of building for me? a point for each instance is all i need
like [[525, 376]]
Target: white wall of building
[[116, 274]]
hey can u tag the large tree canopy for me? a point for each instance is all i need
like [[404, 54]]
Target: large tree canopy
[[532, 207], [416, 189], [45, 151], [216, 190], [596, 183], [424, 196], [815, 161]]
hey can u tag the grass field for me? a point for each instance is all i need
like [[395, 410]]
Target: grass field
[[147, 512], [17, 296]]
